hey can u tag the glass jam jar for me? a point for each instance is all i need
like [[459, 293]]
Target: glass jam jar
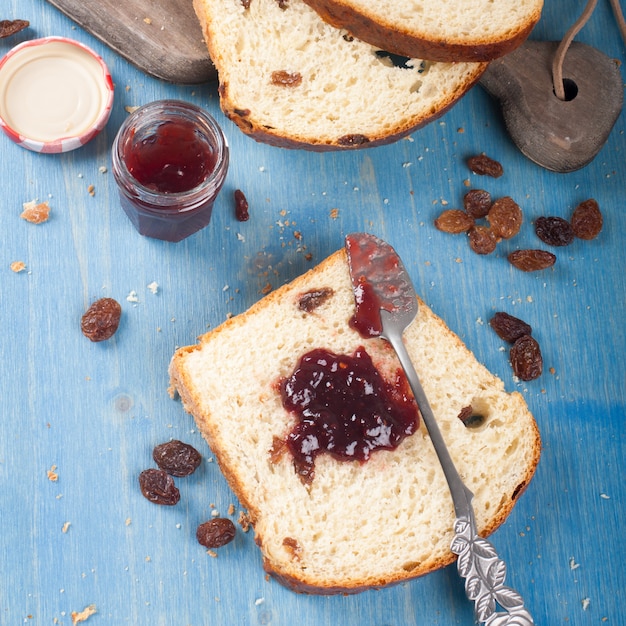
[[170, 160]]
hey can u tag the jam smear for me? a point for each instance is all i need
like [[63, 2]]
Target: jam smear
[[173, 159], [379, 281], [345, 408], [366, 319]]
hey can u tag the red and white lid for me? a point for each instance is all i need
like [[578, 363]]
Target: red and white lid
[[56, 94]]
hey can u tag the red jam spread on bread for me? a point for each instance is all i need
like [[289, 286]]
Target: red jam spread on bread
[[172, 160], [344, 408]]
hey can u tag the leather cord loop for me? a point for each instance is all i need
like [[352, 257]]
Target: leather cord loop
[[559, 57]]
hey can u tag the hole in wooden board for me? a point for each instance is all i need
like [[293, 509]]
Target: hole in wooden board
[[570, 89]]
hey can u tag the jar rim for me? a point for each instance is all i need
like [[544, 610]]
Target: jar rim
[[178, 108]]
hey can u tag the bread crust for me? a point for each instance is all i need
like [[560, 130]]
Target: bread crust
[[286, 572], [394, 38]]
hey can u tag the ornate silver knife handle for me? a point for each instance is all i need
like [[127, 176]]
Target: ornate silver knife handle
[[478, 563], [484, 573]]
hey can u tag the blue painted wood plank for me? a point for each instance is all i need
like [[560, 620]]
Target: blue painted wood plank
[[92, 413]]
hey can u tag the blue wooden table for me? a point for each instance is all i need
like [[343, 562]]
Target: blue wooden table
[[79, 420]]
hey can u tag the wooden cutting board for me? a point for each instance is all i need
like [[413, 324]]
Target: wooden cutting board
[[161, 37]]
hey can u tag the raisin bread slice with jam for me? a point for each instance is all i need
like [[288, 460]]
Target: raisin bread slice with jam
[[355, 524], [288, 78], [440, 30]]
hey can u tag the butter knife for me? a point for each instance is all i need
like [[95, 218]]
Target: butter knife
[[386, 304]]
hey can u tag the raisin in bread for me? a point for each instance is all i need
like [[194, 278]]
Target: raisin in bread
[[440, 30], [288, 78], [357, 525]]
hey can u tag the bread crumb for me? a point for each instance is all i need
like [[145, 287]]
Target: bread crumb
[[244, 521], [604, 496], [153, 287], [572, 564], [334, 214], [130, 109], [132, 297], [102, 169], [18, 266], [147, 20], [231, 509], [66, 527], [266, 289], [212, 553], [83, 615], [128, 521], [91, 190], [52, 474], [585, 602], [35, 212]]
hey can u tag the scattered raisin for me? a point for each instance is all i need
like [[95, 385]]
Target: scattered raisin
[[454, 221], [505, 217], [482, 240], [526, 358], [508, 327], [158, 487], [10, 27], [531, 260], [587, 220], [101, 320], [241, 206], [554, 231], [216, 532], [310, 300], [477, 203], [177, 458], [282, 78], [483, 165]]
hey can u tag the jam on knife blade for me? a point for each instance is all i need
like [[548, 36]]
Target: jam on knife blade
[[379, 281]]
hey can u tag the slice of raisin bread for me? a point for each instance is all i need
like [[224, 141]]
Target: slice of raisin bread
[[440, 30], [356, 525], [288, 78]]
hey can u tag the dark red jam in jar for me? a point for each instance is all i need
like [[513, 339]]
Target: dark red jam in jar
[[170, 160], [345, 408]]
